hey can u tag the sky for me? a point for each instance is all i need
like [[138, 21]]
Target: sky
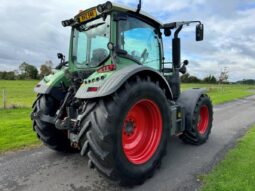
[[31, 31]]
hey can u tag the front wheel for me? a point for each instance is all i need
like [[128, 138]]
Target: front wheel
[[200, 128], [126, 134]]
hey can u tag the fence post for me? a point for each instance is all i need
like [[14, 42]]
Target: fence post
[[4, 99]]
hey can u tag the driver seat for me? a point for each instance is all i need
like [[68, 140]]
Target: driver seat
[[99, 55]]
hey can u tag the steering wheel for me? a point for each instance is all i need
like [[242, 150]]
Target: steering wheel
[[144, 55]]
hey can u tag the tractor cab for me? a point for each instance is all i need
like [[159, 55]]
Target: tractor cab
[[109, 37], [109, 29]]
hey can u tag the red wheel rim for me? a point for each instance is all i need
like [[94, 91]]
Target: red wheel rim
[[141, 131], [203, 120]]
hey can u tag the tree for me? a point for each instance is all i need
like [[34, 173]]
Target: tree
[[2, 75], [10, 76], [7, 75], [22, 67], [28, 71], [210, 79], [223, 78], [194, 79], [246, 81], [187, 78], [46, 68]]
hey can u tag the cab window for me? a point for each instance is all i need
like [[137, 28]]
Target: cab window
[[140, 41]]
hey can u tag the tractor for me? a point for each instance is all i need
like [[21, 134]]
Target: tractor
[[117, 100]]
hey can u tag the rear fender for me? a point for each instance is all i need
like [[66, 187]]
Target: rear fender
[[52, 85], [118, 78], [188, 99]]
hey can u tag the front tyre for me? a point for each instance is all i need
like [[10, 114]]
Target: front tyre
[[199, 130], [127, 133]]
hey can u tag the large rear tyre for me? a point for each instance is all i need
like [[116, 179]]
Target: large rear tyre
[[125, 135], [199, 130], [46, 132]]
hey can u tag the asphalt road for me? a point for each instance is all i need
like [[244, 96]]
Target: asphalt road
[[45, 170]]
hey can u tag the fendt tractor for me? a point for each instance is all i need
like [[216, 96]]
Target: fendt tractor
[[116, 100]]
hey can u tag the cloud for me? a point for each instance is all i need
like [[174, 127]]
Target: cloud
[[32, 32], [228, 40]]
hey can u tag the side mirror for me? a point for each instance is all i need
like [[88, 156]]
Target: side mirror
[[62, 61], [60, 56], [199, 32], [167, 32]]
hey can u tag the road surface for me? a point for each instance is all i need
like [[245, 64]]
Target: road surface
[[45, 170]]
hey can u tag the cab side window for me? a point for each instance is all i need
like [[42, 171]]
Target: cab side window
[[140, 41]]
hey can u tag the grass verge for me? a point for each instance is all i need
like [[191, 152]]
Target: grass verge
[[224, 93], [236, 171], [16, 130]]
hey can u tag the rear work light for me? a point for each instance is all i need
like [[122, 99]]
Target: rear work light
[[107, 68]]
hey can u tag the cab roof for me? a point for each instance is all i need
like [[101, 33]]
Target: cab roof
[[143, 14], [132, 11]]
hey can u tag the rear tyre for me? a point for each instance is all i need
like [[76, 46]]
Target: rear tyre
[[199, 130], [126, 133], [50, 136]]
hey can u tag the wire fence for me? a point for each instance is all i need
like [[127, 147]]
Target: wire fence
[[4, 98]]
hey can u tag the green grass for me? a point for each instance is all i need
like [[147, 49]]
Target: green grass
[[236, 171], [224, 93], [19, 93], [16, 130]]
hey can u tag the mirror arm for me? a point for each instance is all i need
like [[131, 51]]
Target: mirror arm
[[178, 24], [61, 64], [120, 51], [176, 33]]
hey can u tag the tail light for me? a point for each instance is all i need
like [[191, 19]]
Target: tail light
[[92, 89], [107, 68]]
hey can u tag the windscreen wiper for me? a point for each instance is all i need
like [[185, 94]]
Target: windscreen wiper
[[92, 26]]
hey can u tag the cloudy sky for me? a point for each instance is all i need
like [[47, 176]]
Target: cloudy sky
[[31, 31]]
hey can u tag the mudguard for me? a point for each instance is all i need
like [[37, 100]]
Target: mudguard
[[52, 85], [188, 99], [118, 78], [42, 88]]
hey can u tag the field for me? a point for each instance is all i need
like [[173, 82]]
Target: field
[[20, 93], [15, 124]]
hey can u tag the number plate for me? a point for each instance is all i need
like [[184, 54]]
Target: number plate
[[88, 15]]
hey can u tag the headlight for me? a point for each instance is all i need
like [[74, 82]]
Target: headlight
[[67, 23], [100, 8]]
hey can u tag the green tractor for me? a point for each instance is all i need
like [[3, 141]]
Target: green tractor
[[116, 100]]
